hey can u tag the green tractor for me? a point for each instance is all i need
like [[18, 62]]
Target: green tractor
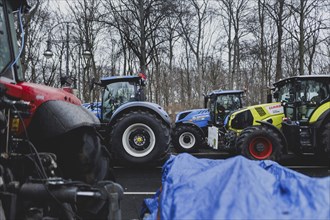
[[223, 136], [135, 131], [305, 127]]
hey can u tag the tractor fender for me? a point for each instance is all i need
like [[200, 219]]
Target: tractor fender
[[192, 125], [54, 118], [146, 106], [318, 125], [285, 143], [322, 117]]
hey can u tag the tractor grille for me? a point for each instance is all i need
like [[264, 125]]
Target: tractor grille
[[203, 111], [260, 111]]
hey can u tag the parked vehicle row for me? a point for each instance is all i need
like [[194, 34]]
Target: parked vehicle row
[[298, 121]]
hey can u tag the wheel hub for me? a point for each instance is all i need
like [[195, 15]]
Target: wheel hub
[[139, 139], [186, 139], [260, 147]]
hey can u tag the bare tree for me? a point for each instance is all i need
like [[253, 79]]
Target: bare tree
[[261, 15], [136, 21], [171, 36], [193, 17], [180, 47], [308, 27], [235, 11], [87, 38], [32, 54], [276, 11]]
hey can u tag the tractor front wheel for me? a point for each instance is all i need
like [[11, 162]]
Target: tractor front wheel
[[260, 143], [139, 137], [187, 139]]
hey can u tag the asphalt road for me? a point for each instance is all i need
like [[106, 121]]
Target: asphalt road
[[141, 183]]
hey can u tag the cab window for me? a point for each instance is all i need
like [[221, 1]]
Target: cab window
[[229, 102], [116, 94], [4, 42], [312, 91]]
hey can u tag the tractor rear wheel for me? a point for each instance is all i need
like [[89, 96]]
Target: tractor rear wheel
[[260, 143], [187, 139], [80, 156], [139, 137]]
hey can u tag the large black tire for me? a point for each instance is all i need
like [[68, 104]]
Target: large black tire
[[80, 156], [2, 212], [186, 138], [139, 138], [260, 143], [325, 139]]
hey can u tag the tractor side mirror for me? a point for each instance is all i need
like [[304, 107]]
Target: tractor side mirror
[[206, 99], [276, 95], [269, 98]]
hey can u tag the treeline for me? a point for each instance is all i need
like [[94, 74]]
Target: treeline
[[186, 47]]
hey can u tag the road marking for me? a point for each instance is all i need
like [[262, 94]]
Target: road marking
[[307, 167], [139, 193], [148, 168]]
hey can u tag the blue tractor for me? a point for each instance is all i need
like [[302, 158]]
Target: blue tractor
[[135, 131], [191, 127]]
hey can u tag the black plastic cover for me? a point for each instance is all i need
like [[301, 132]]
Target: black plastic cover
[[54, 118]]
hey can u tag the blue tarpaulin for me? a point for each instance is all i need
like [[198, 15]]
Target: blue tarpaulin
[[237, 188]]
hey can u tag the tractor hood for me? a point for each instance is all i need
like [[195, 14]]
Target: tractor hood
[[249, 116], [194, 116], [38, 94]]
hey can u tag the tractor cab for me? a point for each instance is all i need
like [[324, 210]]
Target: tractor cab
[[301, 96], [118, 90], [306, 104], [221, 103]]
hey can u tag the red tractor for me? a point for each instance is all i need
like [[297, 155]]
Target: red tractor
[[56, 122]]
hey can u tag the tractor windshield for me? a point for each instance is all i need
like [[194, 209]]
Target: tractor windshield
[[230, 102], [116, 94], [302, 97], [8, 44], [307, 91], [221, 105]]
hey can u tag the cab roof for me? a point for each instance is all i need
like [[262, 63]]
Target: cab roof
[[113, 79], [225, 92], [301, 78]]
